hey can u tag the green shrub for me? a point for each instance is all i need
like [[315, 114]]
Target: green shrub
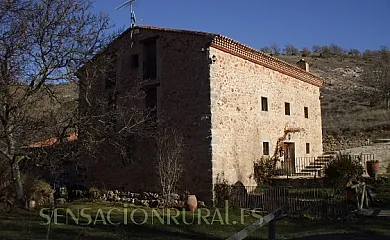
[[263, 170], [95, 194], [222, 190], [39, 191], [342, 169]]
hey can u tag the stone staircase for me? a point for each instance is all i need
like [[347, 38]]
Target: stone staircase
[[317, 167]]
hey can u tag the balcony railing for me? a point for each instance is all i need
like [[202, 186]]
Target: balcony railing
[[312, 166]]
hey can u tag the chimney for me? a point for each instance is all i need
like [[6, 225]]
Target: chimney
[[303, 64]]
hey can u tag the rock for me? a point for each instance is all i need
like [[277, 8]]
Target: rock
[[60, 201], [175, 196], [154, 204], [145, 203], [31, 204], [201, 204], [137, 202], [136, 195]]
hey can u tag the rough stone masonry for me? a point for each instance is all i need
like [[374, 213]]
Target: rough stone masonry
[[210, 88]]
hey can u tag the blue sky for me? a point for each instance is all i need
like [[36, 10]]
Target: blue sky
[[360, 24]]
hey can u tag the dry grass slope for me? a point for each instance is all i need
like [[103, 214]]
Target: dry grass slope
[[348, 114]]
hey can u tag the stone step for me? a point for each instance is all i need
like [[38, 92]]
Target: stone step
[[382, 140], [311, 170], [325, 157], [300, 174], [330, 153], [314, 166], [322, 160]]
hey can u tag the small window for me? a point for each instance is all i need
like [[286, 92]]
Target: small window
[[151, 107], [306, 110], [134, 61], [150, 59], [110, 74], [307, 148], [287, 108], [265, 148], [264, 104]]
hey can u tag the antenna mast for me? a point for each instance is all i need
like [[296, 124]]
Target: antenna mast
[[133, 19]]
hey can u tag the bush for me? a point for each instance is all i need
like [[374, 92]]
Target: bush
[[39, 191], [222, 190], [342, 169], [95, 194], [263, 170]]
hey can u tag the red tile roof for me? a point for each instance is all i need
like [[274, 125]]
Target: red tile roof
[[240, 50], [52, 141], [243, 51]]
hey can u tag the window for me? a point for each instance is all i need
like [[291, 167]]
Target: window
[[134, 61], [287, 108], [112, 101], [306, 110], [110, 75], [265, 148], [111, 108], [264, 104], [307, 148], [151, 106], [150, 63]]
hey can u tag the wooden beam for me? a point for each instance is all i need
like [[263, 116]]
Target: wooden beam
[[257, 225]]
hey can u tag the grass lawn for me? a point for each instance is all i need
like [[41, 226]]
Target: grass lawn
[[30, 225]]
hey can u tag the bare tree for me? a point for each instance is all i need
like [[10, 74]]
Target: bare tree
[[115, 115], [377, 76], [325, 52], [266, 50], [41, 43], [305, 52], [170, 147], [275, 49], [354, 52], [316, 48], [367, 54], [335, 49], [289, 49]]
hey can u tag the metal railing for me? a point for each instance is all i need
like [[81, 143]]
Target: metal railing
[[316, 202], [312, 167]]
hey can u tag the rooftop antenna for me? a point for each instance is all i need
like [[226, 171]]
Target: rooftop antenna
[[133, 19]]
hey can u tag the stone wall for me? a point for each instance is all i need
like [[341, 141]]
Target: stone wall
[[239, 127], [183, 103], [215, 105]]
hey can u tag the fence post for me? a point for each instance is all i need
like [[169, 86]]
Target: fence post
[[272, 230], [363, 196]]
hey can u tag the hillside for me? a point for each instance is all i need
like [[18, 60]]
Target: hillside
[[348, 116]]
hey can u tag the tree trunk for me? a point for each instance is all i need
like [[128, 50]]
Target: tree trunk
[[17, 182]]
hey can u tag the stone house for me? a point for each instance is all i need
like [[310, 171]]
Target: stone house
[[231, 103]]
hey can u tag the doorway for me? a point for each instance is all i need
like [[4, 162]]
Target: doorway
[[289, 156]]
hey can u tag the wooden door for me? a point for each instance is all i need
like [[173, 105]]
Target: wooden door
[[289, 157]]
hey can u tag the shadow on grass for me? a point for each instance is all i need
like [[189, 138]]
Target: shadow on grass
[[362, 229], [32, 229], [342, 236], [24, 226]]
